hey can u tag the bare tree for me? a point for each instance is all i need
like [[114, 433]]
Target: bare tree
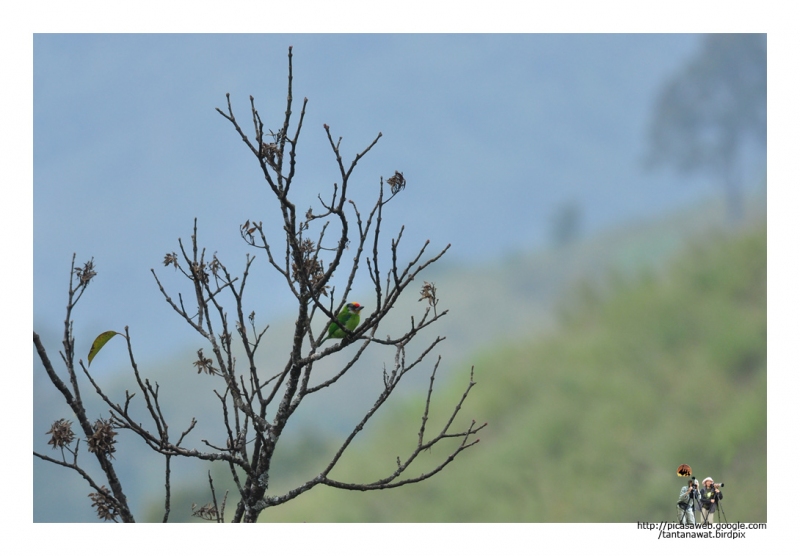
[[256, 408]]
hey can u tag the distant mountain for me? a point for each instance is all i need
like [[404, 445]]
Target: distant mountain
[[588, 423]]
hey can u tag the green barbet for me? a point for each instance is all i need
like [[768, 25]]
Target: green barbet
[[347, 316]]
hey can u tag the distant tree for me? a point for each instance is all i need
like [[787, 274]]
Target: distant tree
[[706, 112], [256, 403], [565, 224]]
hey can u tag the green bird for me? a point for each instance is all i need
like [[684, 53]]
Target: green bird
[[347, 316]]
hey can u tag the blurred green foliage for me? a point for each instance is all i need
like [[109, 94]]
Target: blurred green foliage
[[589, 423]]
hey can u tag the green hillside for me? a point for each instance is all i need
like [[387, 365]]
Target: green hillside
[[589, 423], [592, 393]]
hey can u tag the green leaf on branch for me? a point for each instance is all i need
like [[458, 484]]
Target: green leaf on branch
[[99, 342]]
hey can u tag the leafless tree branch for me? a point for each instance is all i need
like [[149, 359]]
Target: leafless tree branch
[[257, 403]]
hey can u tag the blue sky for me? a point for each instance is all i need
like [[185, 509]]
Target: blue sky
[[493, 132]]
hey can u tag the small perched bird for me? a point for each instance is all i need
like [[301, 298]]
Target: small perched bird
[[347, 316]]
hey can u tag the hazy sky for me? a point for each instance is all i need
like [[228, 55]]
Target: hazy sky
[[493, 132]]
